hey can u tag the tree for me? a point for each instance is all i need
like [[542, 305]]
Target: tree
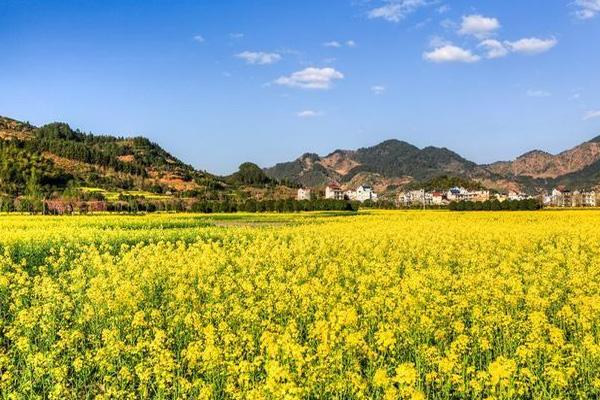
[[250, 174], [33, 191]]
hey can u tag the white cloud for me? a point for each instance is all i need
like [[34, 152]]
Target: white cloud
[[309, 114], [494, 49], [591, 115], [311, 78], [378, 89], [538, 93], [336, 44], [199, 39], [531, 45], [236, 35], [587, 9], [333, 43], [451, 53], [396, 10], [478, 26], [259, 57]]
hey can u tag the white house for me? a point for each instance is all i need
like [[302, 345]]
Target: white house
[[589, 199], [303, 194], [438, 199], [333, 191], [364, 193], [561, 198], [512, 195], [583, 199], [420, 197], [459, 194]]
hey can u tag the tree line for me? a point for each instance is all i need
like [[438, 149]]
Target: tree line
[[134, 204]]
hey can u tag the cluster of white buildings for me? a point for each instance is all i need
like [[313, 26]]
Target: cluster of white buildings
[[566, 198], [424, 198], [558, 197], [334, 191]]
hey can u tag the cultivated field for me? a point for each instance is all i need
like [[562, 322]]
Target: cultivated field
[[267, 306]]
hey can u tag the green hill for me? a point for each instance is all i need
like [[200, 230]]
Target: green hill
[[57, 156]]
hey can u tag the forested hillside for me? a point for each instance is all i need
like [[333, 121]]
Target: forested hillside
[[55, 156]]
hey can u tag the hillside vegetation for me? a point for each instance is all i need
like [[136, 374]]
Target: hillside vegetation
[[56, 155]]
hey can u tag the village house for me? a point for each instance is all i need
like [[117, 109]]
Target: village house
[[303, 194], [561, 198], [438, 199], [589, 199], [415, 198], [462, 194], [362, 194], [334, 192], [512, 195], [583, 199]]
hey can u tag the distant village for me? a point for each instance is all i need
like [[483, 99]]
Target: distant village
[[421, 198], [557, 198], [333, 191]]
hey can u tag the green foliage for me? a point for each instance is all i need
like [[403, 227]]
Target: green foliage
[[249, 174], [105, 161], [22, 171]]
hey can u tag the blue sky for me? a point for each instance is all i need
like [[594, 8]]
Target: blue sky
[[222, 82]]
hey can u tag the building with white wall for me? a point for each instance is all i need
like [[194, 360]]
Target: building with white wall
[[303, 194], [334, 192]]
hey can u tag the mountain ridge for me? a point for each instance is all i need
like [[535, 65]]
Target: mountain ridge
[[394, 159], [61, 155]]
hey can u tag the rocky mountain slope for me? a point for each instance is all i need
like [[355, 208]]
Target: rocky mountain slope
[[393, 160], [542, 165], [394, 163]]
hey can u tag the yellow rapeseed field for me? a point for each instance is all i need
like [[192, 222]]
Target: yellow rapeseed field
[[379, 305]]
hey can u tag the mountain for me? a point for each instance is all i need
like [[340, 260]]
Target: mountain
[[542, 165], [59, 156], [395, 163], [56, 157]]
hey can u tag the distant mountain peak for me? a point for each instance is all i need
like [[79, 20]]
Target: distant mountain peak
[[536, 153], [309, 156], [392, 160]]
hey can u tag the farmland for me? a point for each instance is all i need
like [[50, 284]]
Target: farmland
[[375, 304]]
